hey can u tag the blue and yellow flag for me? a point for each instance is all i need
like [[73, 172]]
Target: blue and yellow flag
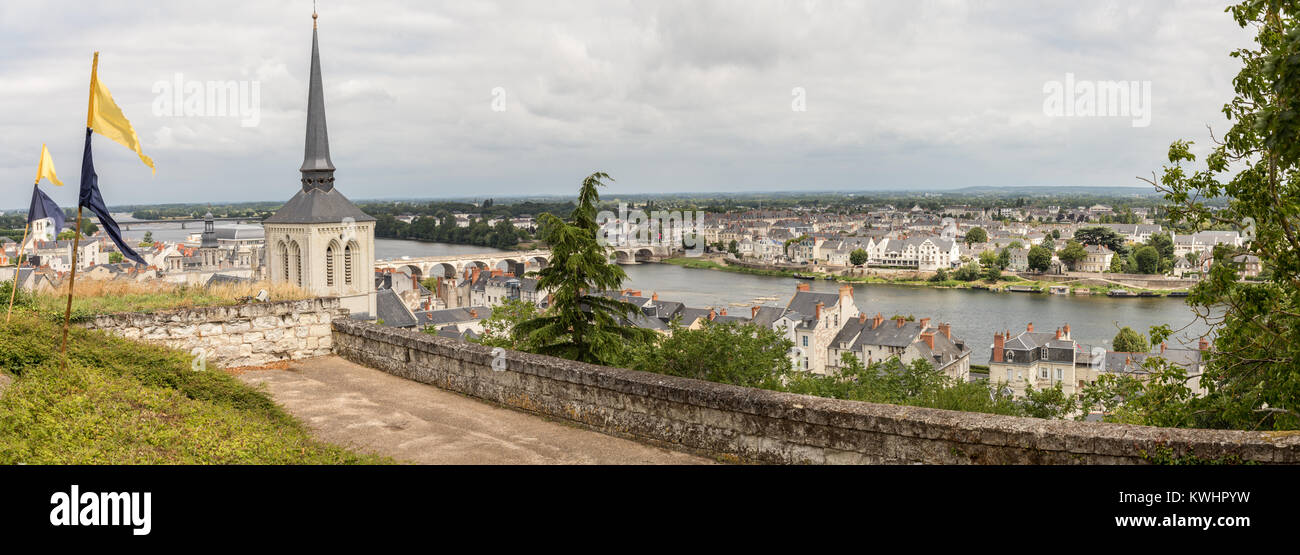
[[106, 118]]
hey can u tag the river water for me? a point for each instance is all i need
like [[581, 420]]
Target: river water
[[975, 315]]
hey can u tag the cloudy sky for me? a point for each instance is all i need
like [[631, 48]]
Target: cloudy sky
[[667, 96]]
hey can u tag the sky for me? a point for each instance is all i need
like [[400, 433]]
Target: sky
[[473, 99]]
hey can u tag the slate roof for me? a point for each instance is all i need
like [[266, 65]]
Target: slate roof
[[390, 308], [317, 206]]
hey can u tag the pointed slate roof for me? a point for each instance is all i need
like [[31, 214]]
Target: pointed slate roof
[[318, 201]]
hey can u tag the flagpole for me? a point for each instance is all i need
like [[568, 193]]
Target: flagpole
[[76, 240], [17, 268]]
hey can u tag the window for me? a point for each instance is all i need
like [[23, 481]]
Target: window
[[1008, 374], [284, 262], [347, 264], [805, 341], [1059, 374], [1043, 373], [805, 363], [329, 265]]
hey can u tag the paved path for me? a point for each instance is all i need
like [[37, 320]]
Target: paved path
[[368, 410]]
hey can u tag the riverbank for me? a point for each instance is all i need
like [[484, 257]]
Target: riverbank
[[1021, 284]]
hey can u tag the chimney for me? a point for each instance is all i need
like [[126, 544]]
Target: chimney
[[632, 293], [928, 338], [846, 291], [1067, 331], [877, 321], [654, 296], [474, 276], [473, 313], [803, 287], [820, 306], [999, 344], [1030, 327], [723, 313], [900, 321], [862, 317], [712, 314], [753, 312], [946, 329], [1058, 333], [1205, 344], [496, 273], [925, 323], [1163, 346]]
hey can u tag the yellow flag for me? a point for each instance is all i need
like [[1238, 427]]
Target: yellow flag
[[107, 120], [46, 169]]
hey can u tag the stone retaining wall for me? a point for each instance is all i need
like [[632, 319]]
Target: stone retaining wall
[[235, 336], [743, 424]]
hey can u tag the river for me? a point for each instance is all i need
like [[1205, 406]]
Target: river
[[975, 315]]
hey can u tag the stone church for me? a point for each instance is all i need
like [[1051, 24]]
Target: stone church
[[319, 240]]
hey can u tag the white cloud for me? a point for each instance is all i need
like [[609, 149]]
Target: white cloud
[[675, 95]]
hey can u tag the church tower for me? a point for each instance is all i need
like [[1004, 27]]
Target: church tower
[[319, 240], [208, 245]]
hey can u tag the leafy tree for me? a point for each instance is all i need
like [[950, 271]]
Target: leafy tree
[[1102, 237], [581, 324], [1121, 264], [1163, 245], [1147, 259], [1129, 341], [1253, 374], [732, 353], [1048, 403], [858, 257], [1193, 258], [148, 239], [499, 328], [988, 259], [1073, 253], [976, 235], [968, 272], [1040, 259], [1004, 259], [940, 275], [1056, 234], [734, 248], [115, 257], [992, 274], [1049, 244]]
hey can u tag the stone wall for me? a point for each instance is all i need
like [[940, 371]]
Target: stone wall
[[235, 336], [743, 424]]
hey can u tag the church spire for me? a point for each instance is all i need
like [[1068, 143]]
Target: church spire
[[317, 169]]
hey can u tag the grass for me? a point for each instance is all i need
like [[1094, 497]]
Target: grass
[[120, 402], [112, 296]]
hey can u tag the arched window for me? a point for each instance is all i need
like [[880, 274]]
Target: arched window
[[295, 255], [329, 264], [348, 266], [284, 261]]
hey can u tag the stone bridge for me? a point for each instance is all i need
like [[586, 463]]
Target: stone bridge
[[638, 254], [456, 265]]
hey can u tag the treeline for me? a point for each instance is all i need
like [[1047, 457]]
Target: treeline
[[489, 208], [259, 210], [444, 229]]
